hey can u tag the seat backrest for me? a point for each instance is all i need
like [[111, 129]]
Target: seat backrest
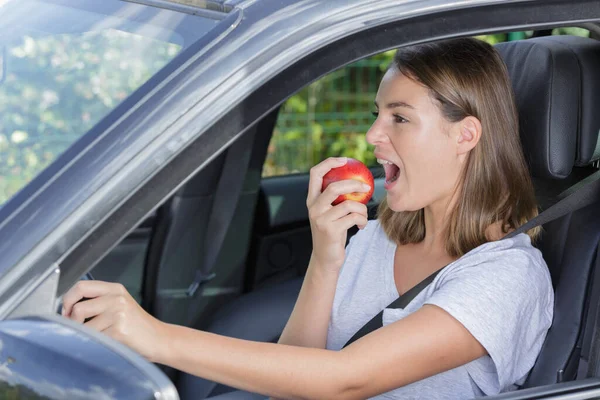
[[556, 81], [179, 236]]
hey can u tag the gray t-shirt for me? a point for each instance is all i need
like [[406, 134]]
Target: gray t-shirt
[[500, 291]]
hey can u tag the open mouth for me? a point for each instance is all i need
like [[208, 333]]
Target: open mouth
[[392, 171]]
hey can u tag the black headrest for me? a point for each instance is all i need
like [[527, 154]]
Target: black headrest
[[556, 80]]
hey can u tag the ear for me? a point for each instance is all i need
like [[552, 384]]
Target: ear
[[468, 135]]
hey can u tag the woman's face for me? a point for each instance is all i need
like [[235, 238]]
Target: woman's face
[[416, 145]]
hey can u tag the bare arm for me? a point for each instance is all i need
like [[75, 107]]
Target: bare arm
[[375, 364], [431, 342], [308, 323]]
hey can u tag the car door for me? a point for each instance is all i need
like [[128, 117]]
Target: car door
[[204, 108]]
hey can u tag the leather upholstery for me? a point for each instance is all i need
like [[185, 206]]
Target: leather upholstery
[[569, 246], [557, 88]]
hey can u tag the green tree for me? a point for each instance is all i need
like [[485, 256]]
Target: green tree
[[58, 87]]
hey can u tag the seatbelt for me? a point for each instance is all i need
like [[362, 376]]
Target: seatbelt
[[229, 188], [401, 302], [580, 195]]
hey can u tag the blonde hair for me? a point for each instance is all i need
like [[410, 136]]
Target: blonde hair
[[467, 77]]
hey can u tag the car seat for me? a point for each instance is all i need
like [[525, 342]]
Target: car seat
[[556, 80]]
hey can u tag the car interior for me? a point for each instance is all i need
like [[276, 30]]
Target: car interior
[[265, 252]]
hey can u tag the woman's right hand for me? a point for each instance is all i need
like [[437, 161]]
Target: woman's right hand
[[329, 224]]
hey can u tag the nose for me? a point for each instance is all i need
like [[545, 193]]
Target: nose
[[376, 134]]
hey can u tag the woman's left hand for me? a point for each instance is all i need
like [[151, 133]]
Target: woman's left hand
[[115, 313]]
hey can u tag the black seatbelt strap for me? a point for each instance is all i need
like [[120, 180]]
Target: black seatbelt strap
[[401, 302], [580, 195], [229, 188]]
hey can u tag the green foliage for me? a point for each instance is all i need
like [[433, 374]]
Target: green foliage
[[571, 31], [494, 39], [335, 114], [58, 87], [19, 392]]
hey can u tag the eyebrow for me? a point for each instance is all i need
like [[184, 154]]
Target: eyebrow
[[396, 104]]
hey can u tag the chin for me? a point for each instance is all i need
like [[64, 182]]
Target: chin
[[401, 205]]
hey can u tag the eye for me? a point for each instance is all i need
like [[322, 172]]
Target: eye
[[375, 114], [399, 119]]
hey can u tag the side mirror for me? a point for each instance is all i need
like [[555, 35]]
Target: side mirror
[[51, 357]]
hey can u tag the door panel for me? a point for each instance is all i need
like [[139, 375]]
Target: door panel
[[282, 239], [284, 200]]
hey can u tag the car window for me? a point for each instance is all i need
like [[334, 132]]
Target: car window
[[331, 116], [327, 118], [62, 75]]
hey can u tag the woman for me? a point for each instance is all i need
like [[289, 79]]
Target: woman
[[446, 133]]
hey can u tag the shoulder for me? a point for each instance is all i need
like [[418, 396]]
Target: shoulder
[[508, 266], [501, 292], [515, 253]]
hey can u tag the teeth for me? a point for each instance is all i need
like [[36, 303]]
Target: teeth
[[383, 162]]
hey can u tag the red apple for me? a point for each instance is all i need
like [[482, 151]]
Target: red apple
[[353, 169]]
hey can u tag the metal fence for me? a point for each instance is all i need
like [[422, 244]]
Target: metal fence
[[328, 118]]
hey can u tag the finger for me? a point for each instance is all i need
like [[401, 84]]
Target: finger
[[362, 226], [101, 322], [344, 208], [350, 220], [316, 176], [323, 202], [91, 308], [89, 289]]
